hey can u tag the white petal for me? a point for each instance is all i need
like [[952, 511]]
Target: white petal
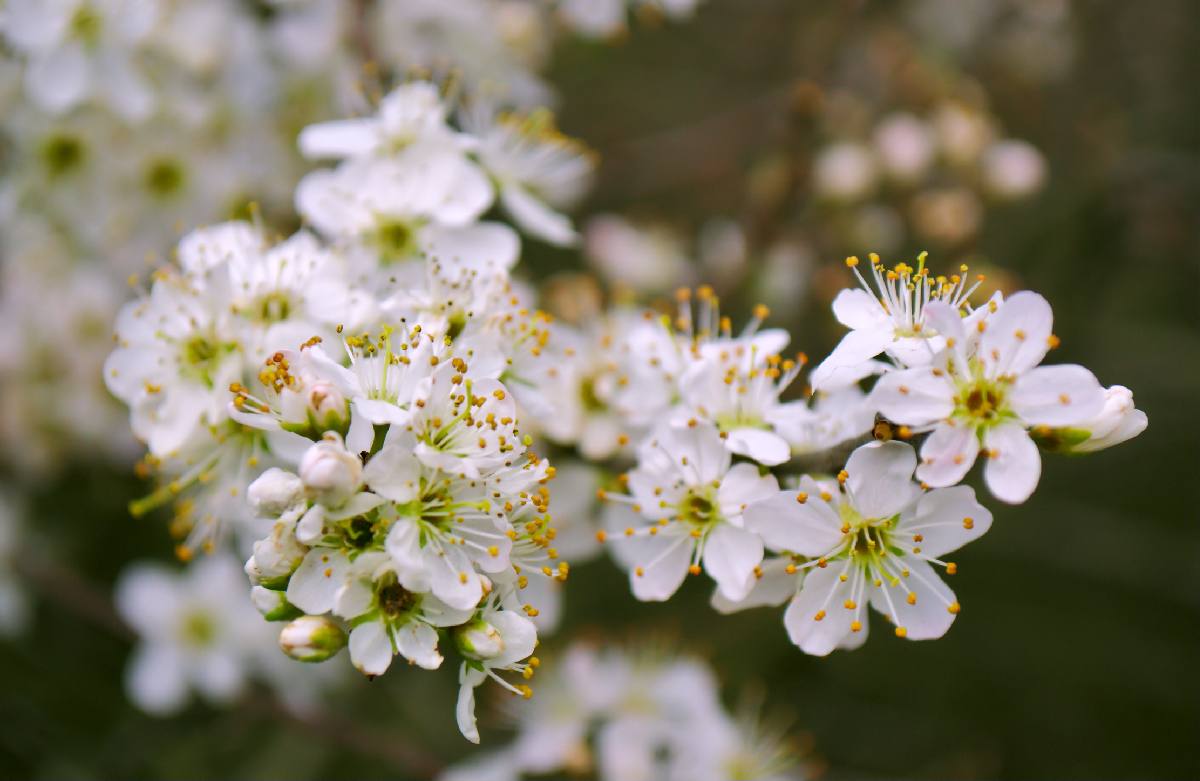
[[465, 710], [946, 519], [315, 583], [382, 413], [360, 438], [128, 93], [395, 473], [823, 592], [928, 616], [519, 633], [914, 397], [446, 577], [536, 218], [1014, 464], [857, 309], [742, 486], [146, 598], [154, 679], [371, 648], [948, 454], [1017, 335], [775, 587], [480, 246], [354, 598], [58, 81], [311, 527], [339, 138], [880, 481], [664, 560], [765, 447], [856, 348], [948, 322], [417, 642], [1056, 396], [811, 528], [219, 676], [730, 556]]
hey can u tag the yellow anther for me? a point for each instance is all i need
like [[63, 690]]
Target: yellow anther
[[843, 476], [638, 571], [462, 577], [790, 569], [802, 498], [822, 563], [856, 626], [968, 523], [912, 599], [601, 536], [850, 604], [820, 614], [954, 608], [846, 527], [951, 568], [694, 569], [851, 262], [901, 631], [493, 551], [825, 495]]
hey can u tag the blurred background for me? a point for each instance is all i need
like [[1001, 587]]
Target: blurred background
[[751, 145]]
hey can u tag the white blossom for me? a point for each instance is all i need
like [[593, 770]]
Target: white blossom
[[987, 399]]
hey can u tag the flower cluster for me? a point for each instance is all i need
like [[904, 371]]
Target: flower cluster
[[614, 713], [387, 481], [964, 381], [356, 404]]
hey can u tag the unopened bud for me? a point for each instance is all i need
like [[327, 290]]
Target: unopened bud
[[276, 557], [477, 639], [312, 639], [331, 474], [274, 605], [327, 404], [1118, 421], [274, 492]]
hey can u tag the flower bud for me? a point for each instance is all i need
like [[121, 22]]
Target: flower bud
[[312, 639], [331, 474], [274, 605], [275, 557], [1117, 422], [327, 404], [274, 492], [477, 639]]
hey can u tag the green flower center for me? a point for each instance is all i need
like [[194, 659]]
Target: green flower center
[[982, 401], [63, 154], [394, 600], [395, 239], [201, 356], [198, 629], [165, 178], [86, 24]]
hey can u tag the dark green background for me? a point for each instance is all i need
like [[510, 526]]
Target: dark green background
[[1076, 653]]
